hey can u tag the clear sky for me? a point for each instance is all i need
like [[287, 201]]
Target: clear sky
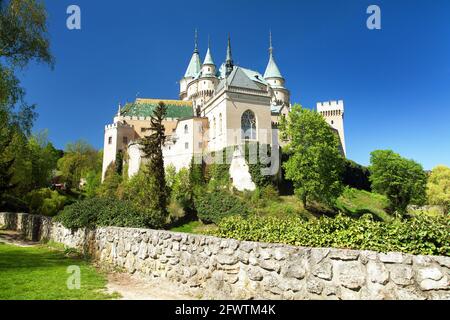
[[395, 82]]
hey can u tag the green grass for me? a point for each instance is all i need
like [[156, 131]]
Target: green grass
[[283, 206], [355, 203], [40, 273]]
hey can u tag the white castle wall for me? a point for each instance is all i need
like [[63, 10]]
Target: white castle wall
[[333, 112]]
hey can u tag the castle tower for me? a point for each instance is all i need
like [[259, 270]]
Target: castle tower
[[333, 112], [192, 71], [208, 79], [275, 79], [116, 139]]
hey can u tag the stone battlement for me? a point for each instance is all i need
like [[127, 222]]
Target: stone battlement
[[330, 105], [117, 125]]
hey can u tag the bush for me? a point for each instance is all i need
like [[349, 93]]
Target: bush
[[45, 202], [101, 212], [419, 235], [214, 206]]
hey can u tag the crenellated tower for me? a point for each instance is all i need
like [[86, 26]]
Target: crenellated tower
[[333, 112]]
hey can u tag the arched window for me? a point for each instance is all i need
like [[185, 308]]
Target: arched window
[[186, 129], [214, 127], [248, 125], [220, 123]]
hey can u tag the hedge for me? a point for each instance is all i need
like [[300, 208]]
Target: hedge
[[101, 212], [418, 235]]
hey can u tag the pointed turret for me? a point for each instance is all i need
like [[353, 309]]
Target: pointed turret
[[208, 58], [208, 67], [272, 70], [194, 65], [229, 60]]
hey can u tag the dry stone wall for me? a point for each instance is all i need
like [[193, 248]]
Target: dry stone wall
[[225, 268]]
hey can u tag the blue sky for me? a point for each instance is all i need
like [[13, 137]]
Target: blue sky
[[395, 82]]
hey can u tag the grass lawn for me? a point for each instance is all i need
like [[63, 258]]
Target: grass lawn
[[358, 202], [40, 273]]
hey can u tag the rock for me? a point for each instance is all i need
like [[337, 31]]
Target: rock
[[323, 270], [226, 259], [395, 257], [377, 272], [422, 260], [351, 275], [318, 254], [143, 252], [314, 286], [429, 284], [280, 254], [270, 265], [433, 273], [254, 274], [343, 254], [402, 274], [296, 271], [246, 246], [443, 261]]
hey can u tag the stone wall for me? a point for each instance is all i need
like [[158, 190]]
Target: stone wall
[[229, 269]]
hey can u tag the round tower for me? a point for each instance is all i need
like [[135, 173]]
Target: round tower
[[191, 73], [208, 79], [276, 81]]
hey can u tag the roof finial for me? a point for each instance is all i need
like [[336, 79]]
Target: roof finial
[[270, 42], [196, 41], [209, 41], [229, 60]]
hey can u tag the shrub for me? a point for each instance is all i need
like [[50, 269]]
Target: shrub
[[214, 206], [438, 187], [98, 212], [419, 235], [45, 202]]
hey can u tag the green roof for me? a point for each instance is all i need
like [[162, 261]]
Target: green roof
[[144, 108]]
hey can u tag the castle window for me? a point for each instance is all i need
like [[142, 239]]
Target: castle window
[[248, 125], [214, 127], [186, 129], [332, 122], [200, 145], [186, 145], [125, 140], [109, 140], [220, 123]]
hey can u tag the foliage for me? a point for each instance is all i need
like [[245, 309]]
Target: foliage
[[43, 160], [156, 200], [23, 37], [315, 164], [356, 203], [111, 182], [217, 171], [420, 235], [258, 158], [402, 180], [79, 158], [45, 202], [93, 183], [40, 273], [438, 187], [356, 176], [101, 212], [212, 207]]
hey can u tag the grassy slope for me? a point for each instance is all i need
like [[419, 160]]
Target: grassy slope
[[40, 273], [358, 202]]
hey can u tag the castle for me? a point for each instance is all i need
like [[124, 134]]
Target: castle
[[217, 108]]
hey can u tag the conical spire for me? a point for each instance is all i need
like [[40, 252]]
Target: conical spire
[[208, 57], [194, 65], [272, 70], [229, 59]]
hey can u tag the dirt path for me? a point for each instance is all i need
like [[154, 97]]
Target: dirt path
[[15, 238], [133, 287]]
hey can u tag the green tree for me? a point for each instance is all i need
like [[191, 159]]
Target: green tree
[[155, 203], [23, 37], [108, 188], [44, 158], [438, 187], [402, 180], [316, 163], [79, 158]]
